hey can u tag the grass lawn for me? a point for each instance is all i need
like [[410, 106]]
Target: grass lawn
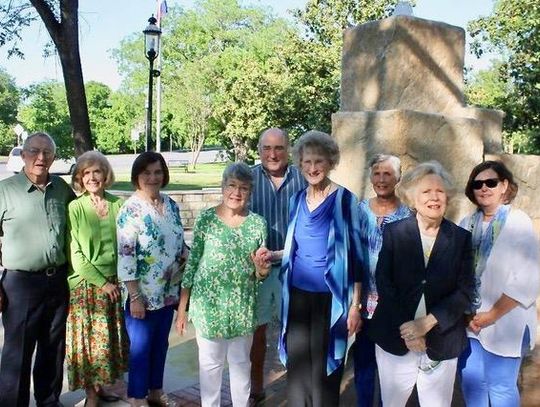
[[205, 176]]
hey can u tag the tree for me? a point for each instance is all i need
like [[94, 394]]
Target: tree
[[513, 30], [45, 109], [230, 71], [9, 102], [116, 120], [61, 19]]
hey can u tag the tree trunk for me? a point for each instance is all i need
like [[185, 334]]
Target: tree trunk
[[65, 35]]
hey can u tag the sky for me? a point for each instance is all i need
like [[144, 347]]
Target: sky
[[104, 23]]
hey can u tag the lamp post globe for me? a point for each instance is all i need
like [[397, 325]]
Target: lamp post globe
[[152, 36]]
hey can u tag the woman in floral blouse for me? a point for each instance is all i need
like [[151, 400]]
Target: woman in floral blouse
[[220, 285], [150, 251]]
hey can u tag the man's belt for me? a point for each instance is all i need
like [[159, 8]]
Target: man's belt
[[49, 271]]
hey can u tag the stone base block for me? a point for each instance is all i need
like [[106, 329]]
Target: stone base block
[[456, 142], [526, 170]]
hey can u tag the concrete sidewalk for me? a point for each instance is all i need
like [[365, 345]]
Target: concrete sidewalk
[[181, 379]]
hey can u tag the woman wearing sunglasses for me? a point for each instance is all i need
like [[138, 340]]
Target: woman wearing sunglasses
[[503, 316]]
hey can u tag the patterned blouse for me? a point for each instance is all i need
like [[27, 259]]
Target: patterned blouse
[[371, 237], [220, 273], [149, 250]]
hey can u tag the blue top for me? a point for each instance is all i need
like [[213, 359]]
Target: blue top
[[273, 204], [343, 269], [371, 238], [311, 240]]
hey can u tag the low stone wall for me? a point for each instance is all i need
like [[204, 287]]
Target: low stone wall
[[190, 202]]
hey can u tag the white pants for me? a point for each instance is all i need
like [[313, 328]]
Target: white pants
[[399, 374], [212, 354]]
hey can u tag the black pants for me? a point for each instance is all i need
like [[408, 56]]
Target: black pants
[[307, 349], [36, 314]]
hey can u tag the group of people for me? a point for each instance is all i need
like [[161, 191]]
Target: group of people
[[423, 300]]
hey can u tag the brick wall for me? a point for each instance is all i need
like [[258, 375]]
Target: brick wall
[[190, 202]]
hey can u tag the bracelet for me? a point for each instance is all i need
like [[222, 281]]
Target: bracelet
[[134, 297], [259, 276], [357, 306]]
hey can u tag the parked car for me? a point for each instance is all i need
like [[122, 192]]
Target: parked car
[[15, 163]]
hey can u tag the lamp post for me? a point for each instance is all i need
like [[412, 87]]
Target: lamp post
[[152, 34]]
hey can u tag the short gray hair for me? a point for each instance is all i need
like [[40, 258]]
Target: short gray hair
[[272, 130], [87, 160], [239, 171], [26, 144], [407, 187], [319, 141], [394, 161]]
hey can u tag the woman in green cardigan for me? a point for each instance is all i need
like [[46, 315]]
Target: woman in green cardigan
[[96, 340]]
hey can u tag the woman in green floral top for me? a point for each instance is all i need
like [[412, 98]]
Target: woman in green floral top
[[220, 285]]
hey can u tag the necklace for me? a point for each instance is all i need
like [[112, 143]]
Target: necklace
[[157, 203], [100, 206], [312, 200]]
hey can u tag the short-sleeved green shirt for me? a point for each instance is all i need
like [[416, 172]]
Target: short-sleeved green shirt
[[33, 222], [220, 273]]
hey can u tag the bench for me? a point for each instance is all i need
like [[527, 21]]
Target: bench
[[178, 164]]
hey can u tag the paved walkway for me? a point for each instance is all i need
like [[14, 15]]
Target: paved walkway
[[181, 378]]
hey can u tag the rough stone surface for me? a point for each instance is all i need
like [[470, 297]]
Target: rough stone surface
[[403, 62], [492, 123], [526, 170], [402, 93], [456, 142]]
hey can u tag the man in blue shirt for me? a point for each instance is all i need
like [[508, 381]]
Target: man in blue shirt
[[275, 181]]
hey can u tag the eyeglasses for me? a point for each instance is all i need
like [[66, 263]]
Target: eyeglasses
[[244, 190], [490, 183], [34, 152]]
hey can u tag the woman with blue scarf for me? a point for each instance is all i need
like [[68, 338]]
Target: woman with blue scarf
[[374, 214], [503, 317], [321, 277]]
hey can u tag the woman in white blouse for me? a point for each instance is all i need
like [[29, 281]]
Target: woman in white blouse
[[503, 318]]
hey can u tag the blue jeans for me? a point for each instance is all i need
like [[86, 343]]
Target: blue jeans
[[365, 367], [488, 379], [149, 342]]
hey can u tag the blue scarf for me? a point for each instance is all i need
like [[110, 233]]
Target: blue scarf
[[483, 243]]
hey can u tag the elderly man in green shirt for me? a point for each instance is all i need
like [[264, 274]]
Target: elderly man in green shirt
[[33, 228]]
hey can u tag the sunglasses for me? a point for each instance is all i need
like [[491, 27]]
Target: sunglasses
[[490, 183]]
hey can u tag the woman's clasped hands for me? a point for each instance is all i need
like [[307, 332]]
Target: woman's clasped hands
[[262, 260]]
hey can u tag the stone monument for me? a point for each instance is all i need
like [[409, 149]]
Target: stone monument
[[402, 93]]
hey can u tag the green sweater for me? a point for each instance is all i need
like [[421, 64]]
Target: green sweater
[[84, 242]]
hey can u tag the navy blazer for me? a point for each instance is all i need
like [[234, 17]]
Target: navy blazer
[[447, 283]]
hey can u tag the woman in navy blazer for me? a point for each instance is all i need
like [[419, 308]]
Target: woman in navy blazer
[[425, 283]]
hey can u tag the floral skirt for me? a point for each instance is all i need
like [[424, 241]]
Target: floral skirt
[[97, 346]]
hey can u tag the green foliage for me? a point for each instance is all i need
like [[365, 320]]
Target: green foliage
[[513, 30], [118, 117], [9, 102], [112, 115], [231, 70], [45, 109], [487, 88]]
